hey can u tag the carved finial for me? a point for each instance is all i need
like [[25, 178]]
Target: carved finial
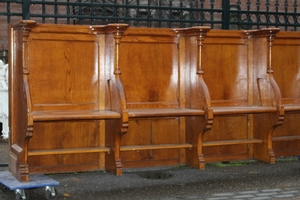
[[270, 34], [200, 38], [200, 32], [118, 31]]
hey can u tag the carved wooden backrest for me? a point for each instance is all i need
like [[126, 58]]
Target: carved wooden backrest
[[286, 64], [150, 68], [225, 65], [62, 68], [238, 69]]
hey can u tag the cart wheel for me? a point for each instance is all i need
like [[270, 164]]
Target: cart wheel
[[21, 194], [51, 192]]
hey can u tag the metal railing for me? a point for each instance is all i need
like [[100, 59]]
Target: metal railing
[[218, 14], [225, 14]]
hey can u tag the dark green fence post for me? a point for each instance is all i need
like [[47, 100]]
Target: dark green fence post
[[25, 9], [226, 14]]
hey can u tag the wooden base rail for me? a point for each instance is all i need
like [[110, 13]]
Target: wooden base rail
[[231, 142], [68, 151], [113, 96], [155, 146]]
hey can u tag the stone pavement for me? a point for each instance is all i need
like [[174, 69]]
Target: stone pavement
[[234, 180], [288, 193]]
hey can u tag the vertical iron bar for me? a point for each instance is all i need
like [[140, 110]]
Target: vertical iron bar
[[79, 11], [159, 13], [295, 16], [286, 19], [138, 14], [149, 14], [115, 11], [267, 14], [201, 13], [8, 12], [181, 24], [225, 14], [170, 13], [258, 15], [192, 15], [25, 10], [92, 11], [276, 16], [43, 11], [248, 12], [212, 6], [103, 13], [55, 12], [238, 3], [68, 12]]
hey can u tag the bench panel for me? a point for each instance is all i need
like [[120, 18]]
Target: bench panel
[[150, 70], [286, 65], [63, 123], [225, 67], [235, 65], [154, 71], [151, 132], [71, 135], [74, 84], [228, 128]]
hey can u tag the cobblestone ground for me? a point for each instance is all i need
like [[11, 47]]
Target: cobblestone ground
[[234, 180]]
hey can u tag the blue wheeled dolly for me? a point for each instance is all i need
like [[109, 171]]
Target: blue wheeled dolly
[[36, 181]]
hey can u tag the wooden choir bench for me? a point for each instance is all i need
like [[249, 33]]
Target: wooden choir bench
[[158, 89], [286, 64], [58, 117], [153, 79], [112, 97], [246, 100]]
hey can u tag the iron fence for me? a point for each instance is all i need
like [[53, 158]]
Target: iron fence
[[218, 14], [225, 14]]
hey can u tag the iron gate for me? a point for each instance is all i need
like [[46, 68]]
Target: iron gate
[[225, 14]]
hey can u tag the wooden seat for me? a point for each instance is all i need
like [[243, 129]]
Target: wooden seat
[[112, 96], [286, 65], [162, 89], [245, 98], [60, 120]]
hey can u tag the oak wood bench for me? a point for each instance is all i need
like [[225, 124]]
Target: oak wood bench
[[158, 84], [158, 89], [245, 98], [58, 116], [108, 97], [286, 65]]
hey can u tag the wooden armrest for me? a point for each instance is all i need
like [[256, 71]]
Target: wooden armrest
[[243, 110], [74, 115], [164, 112]]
